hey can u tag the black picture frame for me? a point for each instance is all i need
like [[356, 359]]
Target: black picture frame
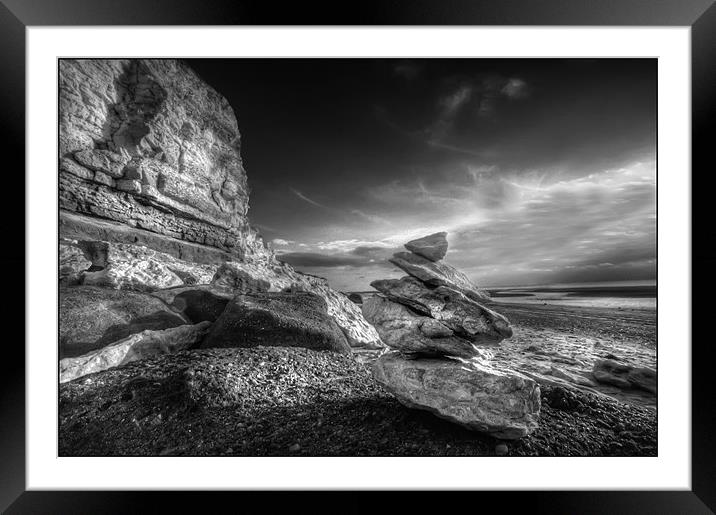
[[17, 15]]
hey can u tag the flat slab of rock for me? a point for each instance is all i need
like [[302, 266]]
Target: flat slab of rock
[[277, 319], [437, 274], [136, 267], [402, 329], [463, 316], [91, 317], [503, 404], [75, 226], [133, 348], [432, 247], [625, 376]]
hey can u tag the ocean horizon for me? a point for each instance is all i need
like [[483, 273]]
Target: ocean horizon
[[637, 294]]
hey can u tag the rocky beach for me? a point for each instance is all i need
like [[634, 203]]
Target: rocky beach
[[183, 333]]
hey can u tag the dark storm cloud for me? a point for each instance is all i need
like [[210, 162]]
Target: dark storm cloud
[[541, 170]]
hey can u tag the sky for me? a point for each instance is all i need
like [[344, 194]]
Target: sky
[[542, 171]]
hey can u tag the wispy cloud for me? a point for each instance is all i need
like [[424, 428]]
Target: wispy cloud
[[453, 101], [436, 143], [515, 88], [507, 227], [306, 199], [479, 96], [370, 217]]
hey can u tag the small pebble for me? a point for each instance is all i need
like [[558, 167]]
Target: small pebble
[[295, 448], [501, 449]]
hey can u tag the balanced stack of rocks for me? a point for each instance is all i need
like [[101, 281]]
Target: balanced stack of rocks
[[441, 335]]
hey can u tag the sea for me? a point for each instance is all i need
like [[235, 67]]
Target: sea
[[614, 294]]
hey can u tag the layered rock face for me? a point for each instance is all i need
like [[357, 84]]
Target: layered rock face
[[153, 194], [147, 143], [442, 336]]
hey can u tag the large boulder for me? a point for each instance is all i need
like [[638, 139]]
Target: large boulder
[[462, 315], [472, 394], [277, 319], [92, 318], [432, 247], [348, 315], [624, 376], [437, 274], [133, 348], [203, 302], [403, 329], [282, 277]]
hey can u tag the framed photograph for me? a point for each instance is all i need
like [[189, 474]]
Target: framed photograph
[[427, 247]]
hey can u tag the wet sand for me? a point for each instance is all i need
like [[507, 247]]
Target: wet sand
[[551, 339]]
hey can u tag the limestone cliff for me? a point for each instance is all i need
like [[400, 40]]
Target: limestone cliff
[[152, 189], [148, 144]]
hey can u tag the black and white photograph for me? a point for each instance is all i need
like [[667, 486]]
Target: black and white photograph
[[269, 251], [357, 257]]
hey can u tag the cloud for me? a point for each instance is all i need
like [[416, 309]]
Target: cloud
[[599, 225], [515, 88], [452, 102], [279, 241], [478, 95], [370, 217], [375, 252], [460, 150], [449, 106], [305, 198], [505, 227], [314, 259]]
